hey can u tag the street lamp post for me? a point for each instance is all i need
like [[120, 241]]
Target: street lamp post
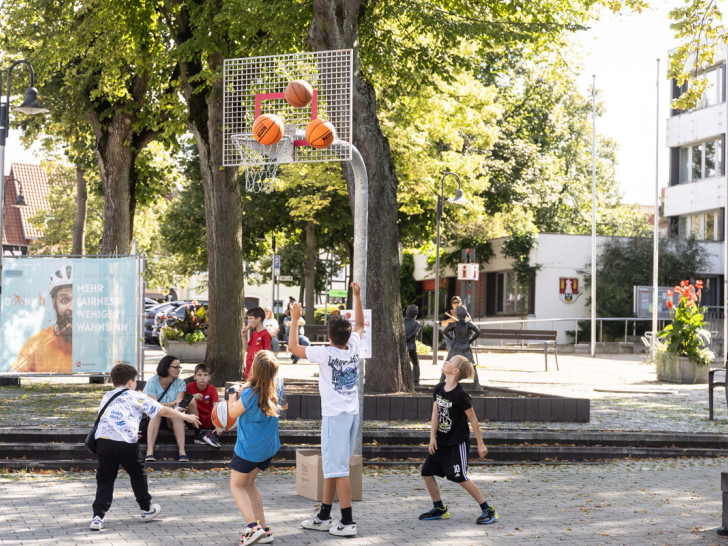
[[459, 199], [30, 105]]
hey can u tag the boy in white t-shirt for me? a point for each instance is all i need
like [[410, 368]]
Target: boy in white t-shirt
[[338, 385], [117, 443]]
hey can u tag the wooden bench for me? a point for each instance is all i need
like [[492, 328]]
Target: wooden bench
[[317, 334], [523, 340]]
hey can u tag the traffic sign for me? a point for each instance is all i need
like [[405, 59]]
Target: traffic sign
[[468, 272], [285, 278]]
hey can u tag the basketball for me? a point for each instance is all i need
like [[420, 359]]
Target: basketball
[[268, 129], [220, 416], [298, 93], [320, 133]]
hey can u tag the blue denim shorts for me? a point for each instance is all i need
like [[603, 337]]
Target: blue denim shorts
[[245, 466]]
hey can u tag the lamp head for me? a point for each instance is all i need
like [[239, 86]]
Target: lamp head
[[20, 201], [459, 198], [30, 104]]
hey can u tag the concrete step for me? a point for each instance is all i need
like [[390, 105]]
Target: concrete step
[[398, 436], [376, 455]]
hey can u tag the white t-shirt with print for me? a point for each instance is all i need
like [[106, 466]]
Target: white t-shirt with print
[[271, 325], [120, 421], [338, 376]]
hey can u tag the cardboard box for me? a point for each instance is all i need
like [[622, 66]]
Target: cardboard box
[[310, 475]]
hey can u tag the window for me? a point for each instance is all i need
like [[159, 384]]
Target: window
[[504, 295], [705, 226], [702, 160], [713, 93]]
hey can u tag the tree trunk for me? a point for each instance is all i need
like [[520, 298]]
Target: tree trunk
[[335, 26], [223, 216], [79, 225], [309, 271], [115, 159]]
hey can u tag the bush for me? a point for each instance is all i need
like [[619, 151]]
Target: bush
[[318, 313]]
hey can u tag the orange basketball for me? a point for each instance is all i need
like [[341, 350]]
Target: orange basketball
[[299, 93], [320, 133], [268, 129]]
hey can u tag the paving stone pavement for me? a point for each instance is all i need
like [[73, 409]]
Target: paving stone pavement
[[623, 502]]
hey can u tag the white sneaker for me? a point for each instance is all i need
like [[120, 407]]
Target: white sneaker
[[268, 538], [97, 523], [153, 512], [341, 530], [252, 536], [317, 524]]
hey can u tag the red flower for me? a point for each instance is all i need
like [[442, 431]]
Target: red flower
[[670, 293], [699, 285], [684, 283], [668, 303]]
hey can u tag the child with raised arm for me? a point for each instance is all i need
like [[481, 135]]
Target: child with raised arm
[[338, 385], [257, 405], [450, 441]]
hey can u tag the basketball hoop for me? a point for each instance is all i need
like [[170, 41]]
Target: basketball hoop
[[261, 162], [254, 86]]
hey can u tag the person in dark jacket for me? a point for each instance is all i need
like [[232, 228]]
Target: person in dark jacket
[[411, 329]]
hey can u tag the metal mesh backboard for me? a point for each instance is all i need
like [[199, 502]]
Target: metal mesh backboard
[[256, 85]]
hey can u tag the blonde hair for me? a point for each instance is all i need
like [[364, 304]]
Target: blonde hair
[[263, 381], [464, 365], [267, 310]]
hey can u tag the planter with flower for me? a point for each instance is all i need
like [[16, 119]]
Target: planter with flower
[[682, 351], [186, 338]]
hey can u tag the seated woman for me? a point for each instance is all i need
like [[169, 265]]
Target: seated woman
[[168, 389]]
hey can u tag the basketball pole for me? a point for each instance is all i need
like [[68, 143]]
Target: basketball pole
[[361, 218]]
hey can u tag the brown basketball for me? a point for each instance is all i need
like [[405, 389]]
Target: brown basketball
[[299, 93], [268, 129], [320, 133]]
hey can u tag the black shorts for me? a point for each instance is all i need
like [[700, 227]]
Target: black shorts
[[449, 462], [244, 466]]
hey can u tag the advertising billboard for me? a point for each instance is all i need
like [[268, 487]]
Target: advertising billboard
[[65, 315], [643, 301]]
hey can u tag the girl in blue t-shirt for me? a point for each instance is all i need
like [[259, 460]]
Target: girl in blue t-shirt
[[257, 405]]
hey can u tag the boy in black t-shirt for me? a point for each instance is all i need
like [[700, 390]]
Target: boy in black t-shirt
[[450, 440]]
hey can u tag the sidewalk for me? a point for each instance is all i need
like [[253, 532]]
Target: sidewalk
[[627, 502], [624, 392]]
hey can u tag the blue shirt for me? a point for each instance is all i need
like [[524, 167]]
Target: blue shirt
[[257, 432], [153, 388]]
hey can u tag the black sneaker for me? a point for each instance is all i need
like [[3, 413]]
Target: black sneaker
[[211, 439], [436, 513], [200, 437], [489, 515]]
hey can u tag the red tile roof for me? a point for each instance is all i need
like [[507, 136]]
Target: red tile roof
[[17, 229]]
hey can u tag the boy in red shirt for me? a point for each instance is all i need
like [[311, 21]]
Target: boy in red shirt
[[205, 396], [259, 337]]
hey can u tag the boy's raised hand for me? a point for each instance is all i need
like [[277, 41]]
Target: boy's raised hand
[[295, 311], [356, 289]]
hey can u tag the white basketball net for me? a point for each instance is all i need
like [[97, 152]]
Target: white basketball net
[[261, 162]]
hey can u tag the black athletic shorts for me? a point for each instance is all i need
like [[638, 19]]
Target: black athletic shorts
[[245, 466], [449, 462]]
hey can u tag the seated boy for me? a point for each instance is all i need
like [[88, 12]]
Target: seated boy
[[206, 396], [450, 441], [117, 443], [339, 388]]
